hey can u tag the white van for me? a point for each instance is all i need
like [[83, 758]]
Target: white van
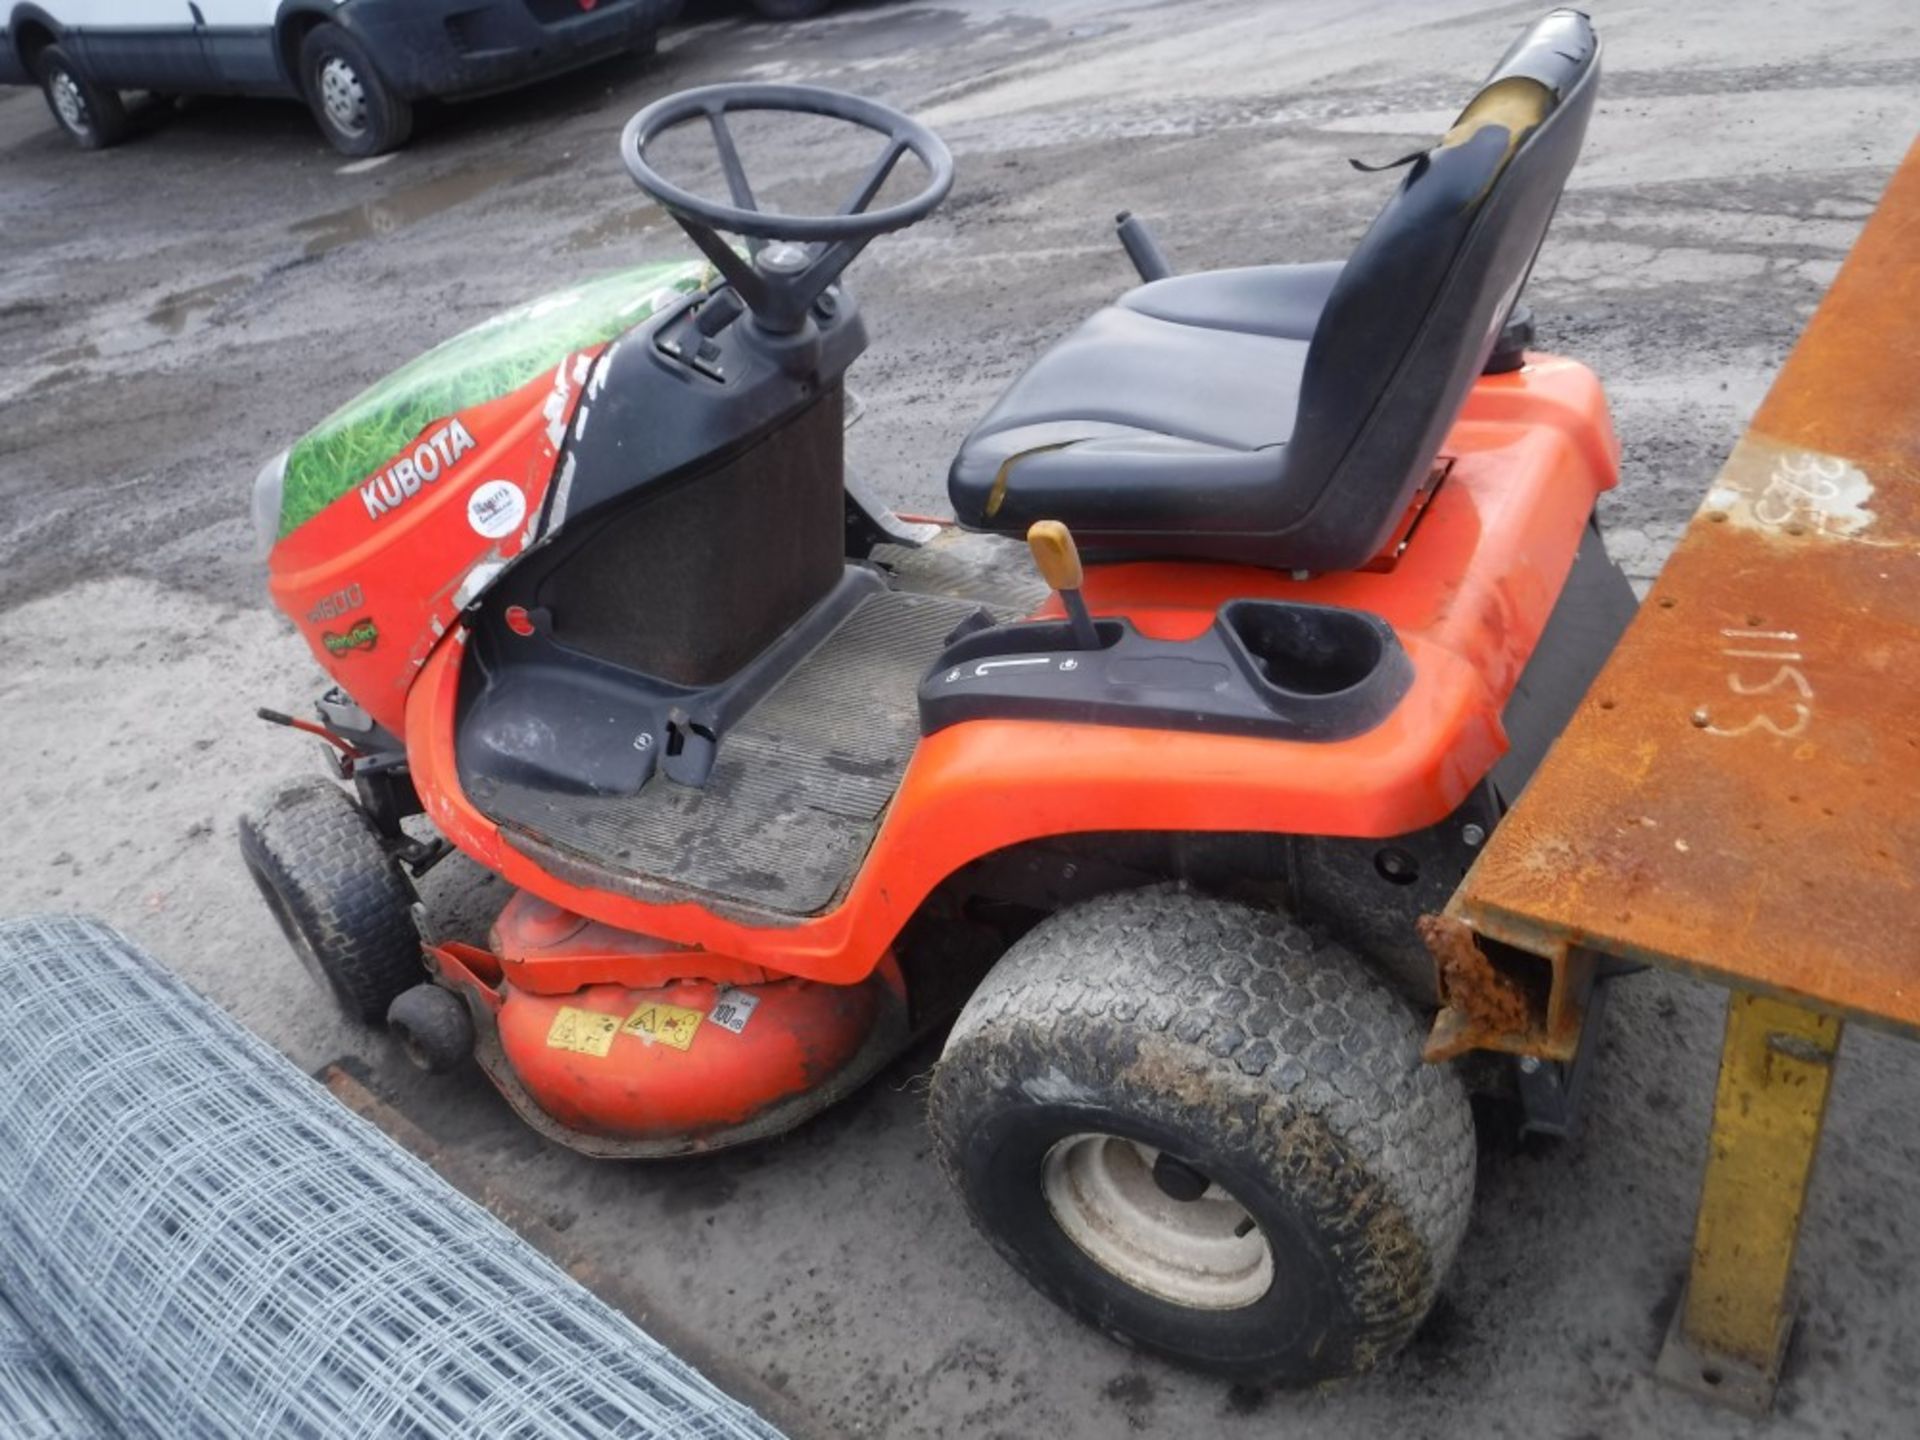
[[358, 64]]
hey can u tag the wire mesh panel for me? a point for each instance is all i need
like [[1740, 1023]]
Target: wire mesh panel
[[213, 1246], [39, 1400]]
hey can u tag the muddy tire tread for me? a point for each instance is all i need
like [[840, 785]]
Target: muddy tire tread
[[343, 889], [1257, 1002]]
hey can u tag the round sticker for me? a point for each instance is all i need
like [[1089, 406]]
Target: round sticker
[[496, 509]]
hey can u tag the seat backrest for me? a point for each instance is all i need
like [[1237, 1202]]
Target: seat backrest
[[1414, 315]]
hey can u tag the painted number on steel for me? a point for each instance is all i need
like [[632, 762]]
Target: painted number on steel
[[1780, 699]]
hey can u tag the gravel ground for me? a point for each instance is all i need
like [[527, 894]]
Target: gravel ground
[[174, 311]]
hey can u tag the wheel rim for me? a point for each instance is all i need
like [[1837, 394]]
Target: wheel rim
[[1206, 1253], [342, 96], [69, 104], [417, 1054]]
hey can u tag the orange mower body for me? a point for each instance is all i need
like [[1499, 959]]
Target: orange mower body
[[1145, 814]]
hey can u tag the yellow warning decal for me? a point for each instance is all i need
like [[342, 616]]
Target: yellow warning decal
[[586, 1032], [669, 1024]]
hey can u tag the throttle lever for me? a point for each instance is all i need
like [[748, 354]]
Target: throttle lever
[[1057, 559]]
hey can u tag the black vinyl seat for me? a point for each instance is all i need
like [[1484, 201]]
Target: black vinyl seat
[[1286, 415], [1195, 377]]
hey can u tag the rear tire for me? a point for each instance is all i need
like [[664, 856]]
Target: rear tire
[[339, 897], [92, 115], [355, 108], [1208, 1134]]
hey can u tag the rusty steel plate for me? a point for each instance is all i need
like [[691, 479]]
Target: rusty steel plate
[[1739, 795]]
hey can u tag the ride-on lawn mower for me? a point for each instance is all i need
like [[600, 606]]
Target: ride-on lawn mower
[[782, 780]]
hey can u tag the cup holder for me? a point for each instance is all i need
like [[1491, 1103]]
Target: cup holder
[[1315, 657], [1307, 649]]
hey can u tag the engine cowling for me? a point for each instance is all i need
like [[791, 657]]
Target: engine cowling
[[398, 510]]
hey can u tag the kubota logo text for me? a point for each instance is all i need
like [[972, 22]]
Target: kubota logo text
[[431, 459]]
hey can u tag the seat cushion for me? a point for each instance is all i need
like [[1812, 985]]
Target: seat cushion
[[1283, 301], [1167, 410]]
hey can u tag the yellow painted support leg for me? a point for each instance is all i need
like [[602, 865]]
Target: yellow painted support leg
[[1730, 1332]]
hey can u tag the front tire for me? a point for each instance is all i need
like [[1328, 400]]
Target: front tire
[[92, 115], [339, 897], [1208, 1134], [357, 110]]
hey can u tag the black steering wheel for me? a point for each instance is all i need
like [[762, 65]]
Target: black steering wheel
[[797, 256]]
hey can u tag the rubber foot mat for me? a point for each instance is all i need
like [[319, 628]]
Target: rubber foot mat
[[797, 790], [987, 569]]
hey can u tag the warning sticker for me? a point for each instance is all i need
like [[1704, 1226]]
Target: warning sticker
[[586, 1032], [669, 1024], [733, 1008]]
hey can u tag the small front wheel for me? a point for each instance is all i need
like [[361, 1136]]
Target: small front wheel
[[433, 1026], [91, 114], [356, 109], [1208, 1134], [339, 897]]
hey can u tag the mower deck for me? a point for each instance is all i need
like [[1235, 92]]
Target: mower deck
[[801, 782]]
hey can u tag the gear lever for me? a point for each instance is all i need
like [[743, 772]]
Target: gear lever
[[1058, 560]]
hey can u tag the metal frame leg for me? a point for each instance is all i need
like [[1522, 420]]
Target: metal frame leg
[[1729, 1334]]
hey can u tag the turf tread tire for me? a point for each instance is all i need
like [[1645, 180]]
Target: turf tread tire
[[320, 864], [1304, 1062]]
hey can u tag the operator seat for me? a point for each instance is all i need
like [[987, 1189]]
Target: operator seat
[[1286, 415]]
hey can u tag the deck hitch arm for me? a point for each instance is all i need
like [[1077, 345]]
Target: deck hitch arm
[[312, 727]]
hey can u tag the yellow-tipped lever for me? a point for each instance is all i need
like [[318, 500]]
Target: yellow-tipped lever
[[1058, 560]]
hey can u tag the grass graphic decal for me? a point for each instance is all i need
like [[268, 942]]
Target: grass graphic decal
[[494, 358]]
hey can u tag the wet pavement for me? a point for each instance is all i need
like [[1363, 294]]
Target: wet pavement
[[176, 310]]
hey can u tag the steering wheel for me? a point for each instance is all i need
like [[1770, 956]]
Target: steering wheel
[[781, 280]]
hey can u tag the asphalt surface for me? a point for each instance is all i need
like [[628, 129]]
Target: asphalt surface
[[174, 311]]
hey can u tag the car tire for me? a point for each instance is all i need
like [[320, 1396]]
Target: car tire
[[1209, 1134], [92, 115], [339, 897], [354, 106], [790, 9], [433, 1027]]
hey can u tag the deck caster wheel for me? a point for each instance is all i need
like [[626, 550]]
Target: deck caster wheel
[[1209, 1134], [433, 1028], [339, 898]]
